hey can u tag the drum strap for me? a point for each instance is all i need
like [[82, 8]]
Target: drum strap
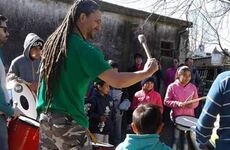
[[92, 137]]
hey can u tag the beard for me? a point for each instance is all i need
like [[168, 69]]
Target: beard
[[91, 36]]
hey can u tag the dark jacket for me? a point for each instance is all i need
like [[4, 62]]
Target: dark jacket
[[100, 106]]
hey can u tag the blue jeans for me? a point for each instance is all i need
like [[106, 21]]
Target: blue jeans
[[3, 133]]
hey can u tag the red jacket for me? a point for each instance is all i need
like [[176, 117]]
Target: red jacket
[[142, 97]]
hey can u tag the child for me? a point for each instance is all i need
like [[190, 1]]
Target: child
[[147, 124], [119, 99], [147, 95], [100, 112], [178, 92]]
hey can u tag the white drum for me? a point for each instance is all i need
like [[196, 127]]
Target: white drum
[[184, 123], [23, 98]]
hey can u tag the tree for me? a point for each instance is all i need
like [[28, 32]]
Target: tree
[[210, 18]]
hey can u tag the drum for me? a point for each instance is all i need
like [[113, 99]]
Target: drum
[[191, 137], [24, 99], [102, 146], [23, 134], [212, 141], [183, 123]]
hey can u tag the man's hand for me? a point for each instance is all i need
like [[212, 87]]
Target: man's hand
[[151, 66]]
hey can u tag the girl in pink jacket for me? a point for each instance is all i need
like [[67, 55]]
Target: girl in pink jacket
[[179, 92], [147, 95]]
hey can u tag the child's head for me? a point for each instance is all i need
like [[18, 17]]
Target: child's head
[[101, 86], [183, 74], [147, 119], [175, 62], [138, 58], [148, 84], [113, 64], [189, 62]]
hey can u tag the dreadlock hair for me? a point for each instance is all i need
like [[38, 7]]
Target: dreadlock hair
[[54, 49]]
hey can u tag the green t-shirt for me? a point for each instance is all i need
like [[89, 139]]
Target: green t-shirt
[[83, 63]]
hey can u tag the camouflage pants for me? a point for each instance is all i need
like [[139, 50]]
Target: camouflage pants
[[58, 132]]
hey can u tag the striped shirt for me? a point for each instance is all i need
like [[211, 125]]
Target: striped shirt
[[217, 102]]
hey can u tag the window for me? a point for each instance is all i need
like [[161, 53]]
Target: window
[[167, 48]]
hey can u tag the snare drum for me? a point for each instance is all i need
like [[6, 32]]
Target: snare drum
[[102, 146], [23, 134], [183, 123]]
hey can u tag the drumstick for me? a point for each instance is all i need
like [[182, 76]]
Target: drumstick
[[195, 100], [91, 136], [190, 96], [142, 40]]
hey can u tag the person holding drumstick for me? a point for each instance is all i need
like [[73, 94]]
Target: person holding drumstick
[[217, 102], [69, 62], [178, 93], [24, 68]]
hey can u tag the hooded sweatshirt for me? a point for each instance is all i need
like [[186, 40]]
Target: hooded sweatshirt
[[142, 142], [23, 66]]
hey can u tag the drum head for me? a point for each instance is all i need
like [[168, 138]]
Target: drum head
[[24, 99], [29, 121], [185, 122]]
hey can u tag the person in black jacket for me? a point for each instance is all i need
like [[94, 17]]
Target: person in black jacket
[[101, 112]]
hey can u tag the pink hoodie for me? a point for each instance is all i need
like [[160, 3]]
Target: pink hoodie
[[177, 93]]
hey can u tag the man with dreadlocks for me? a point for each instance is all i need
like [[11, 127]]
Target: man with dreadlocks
[[69, 63]]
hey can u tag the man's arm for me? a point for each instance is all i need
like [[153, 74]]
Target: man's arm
[[4, 107], [13, 72], [212, 107], [126, 79]]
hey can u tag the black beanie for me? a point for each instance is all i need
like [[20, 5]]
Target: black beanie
[[151, 79]]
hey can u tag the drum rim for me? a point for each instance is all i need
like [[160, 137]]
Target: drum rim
[[28, 119]]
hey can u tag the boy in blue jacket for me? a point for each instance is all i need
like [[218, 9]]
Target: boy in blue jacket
[[147, 124]]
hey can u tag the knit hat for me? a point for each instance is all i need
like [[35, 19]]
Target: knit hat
[[37, 43], [151, 79]]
